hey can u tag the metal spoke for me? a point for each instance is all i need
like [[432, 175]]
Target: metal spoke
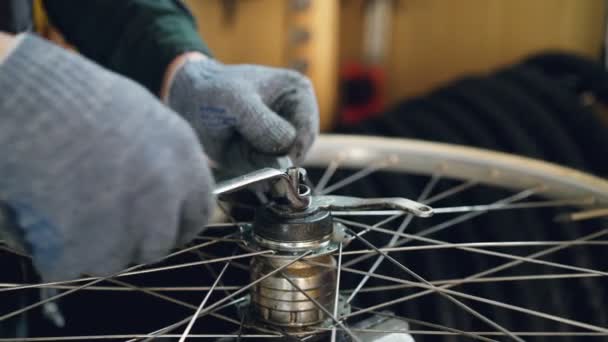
[[443, 287], [483, 280], [232, 224], [481, 251], [215, 238], [131, 336], [211, 270], [523, 205], [327, 174], [240, 331], [65, 284], [428, 188], [381, 223], [124, 289], [458, 219], [431, 289], [491, 207], [233, 263], [379, 165], [427, 324], [169, 299], [412, 332], [442, 293], [200, 307], [452, 191], [95, 280], [476, 334], [321, 307], [482, 274], [403, 283], [337, 290], [448, 245], [173, 326], [158, 333], [429, 201], [195, 263], [53, 298]]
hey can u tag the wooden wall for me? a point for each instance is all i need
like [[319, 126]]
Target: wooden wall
[[259, 31], [432, 41]]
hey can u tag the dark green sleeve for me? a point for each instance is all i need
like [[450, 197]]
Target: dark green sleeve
[[136, 38]]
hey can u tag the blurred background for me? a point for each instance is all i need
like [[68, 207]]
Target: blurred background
[[520, 76], [405, 47]]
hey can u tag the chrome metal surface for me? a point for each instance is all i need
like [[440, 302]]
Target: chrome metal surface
[[293, 246], [286, 250], [308, 225], [280, 181], [292, 221], [345, 203], [278, 302], [457, 162]]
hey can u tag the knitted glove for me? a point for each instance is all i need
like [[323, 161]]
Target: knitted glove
[[246, 115], [97, 172]]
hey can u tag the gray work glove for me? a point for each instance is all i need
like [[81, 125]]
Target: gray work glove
[[246, 115], [97, 171]]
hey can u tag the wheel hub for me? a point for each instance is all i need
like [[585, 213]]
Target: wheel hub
[[292, 291], [303, 292]]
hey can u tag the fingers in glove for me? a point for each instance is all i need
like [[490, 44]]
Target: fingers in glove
[[298, 105], [180, 197], [196, 209], [264, 129]]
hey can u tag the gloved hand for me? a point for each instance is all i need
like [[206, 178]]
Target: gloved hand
[[245, 115], [99, 173]]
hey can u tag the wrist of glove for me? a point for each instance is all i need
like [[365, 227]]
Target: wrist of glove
[[98, 173], [246, 115]]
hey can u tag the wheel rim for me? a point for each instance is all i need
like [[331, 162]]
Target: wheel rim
[[563, 187]]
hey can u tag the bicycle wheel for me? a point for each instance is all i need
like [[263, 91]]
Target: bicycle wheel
[[458, 275]]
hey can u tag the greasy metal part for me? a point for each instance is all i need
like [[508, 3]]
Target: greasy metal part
[[309, 225], [285, 250], [288, 185], [247, 180], [340, 203], [292, 221], [278, 302], [279, 180], [292, 246]]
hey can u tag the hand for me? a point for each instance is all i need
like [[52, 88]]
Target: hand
[[245, 115], [98, 172]]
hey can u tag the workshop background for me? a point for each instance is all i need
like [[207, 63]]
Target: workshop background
[[521, 76], [427, 42]]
